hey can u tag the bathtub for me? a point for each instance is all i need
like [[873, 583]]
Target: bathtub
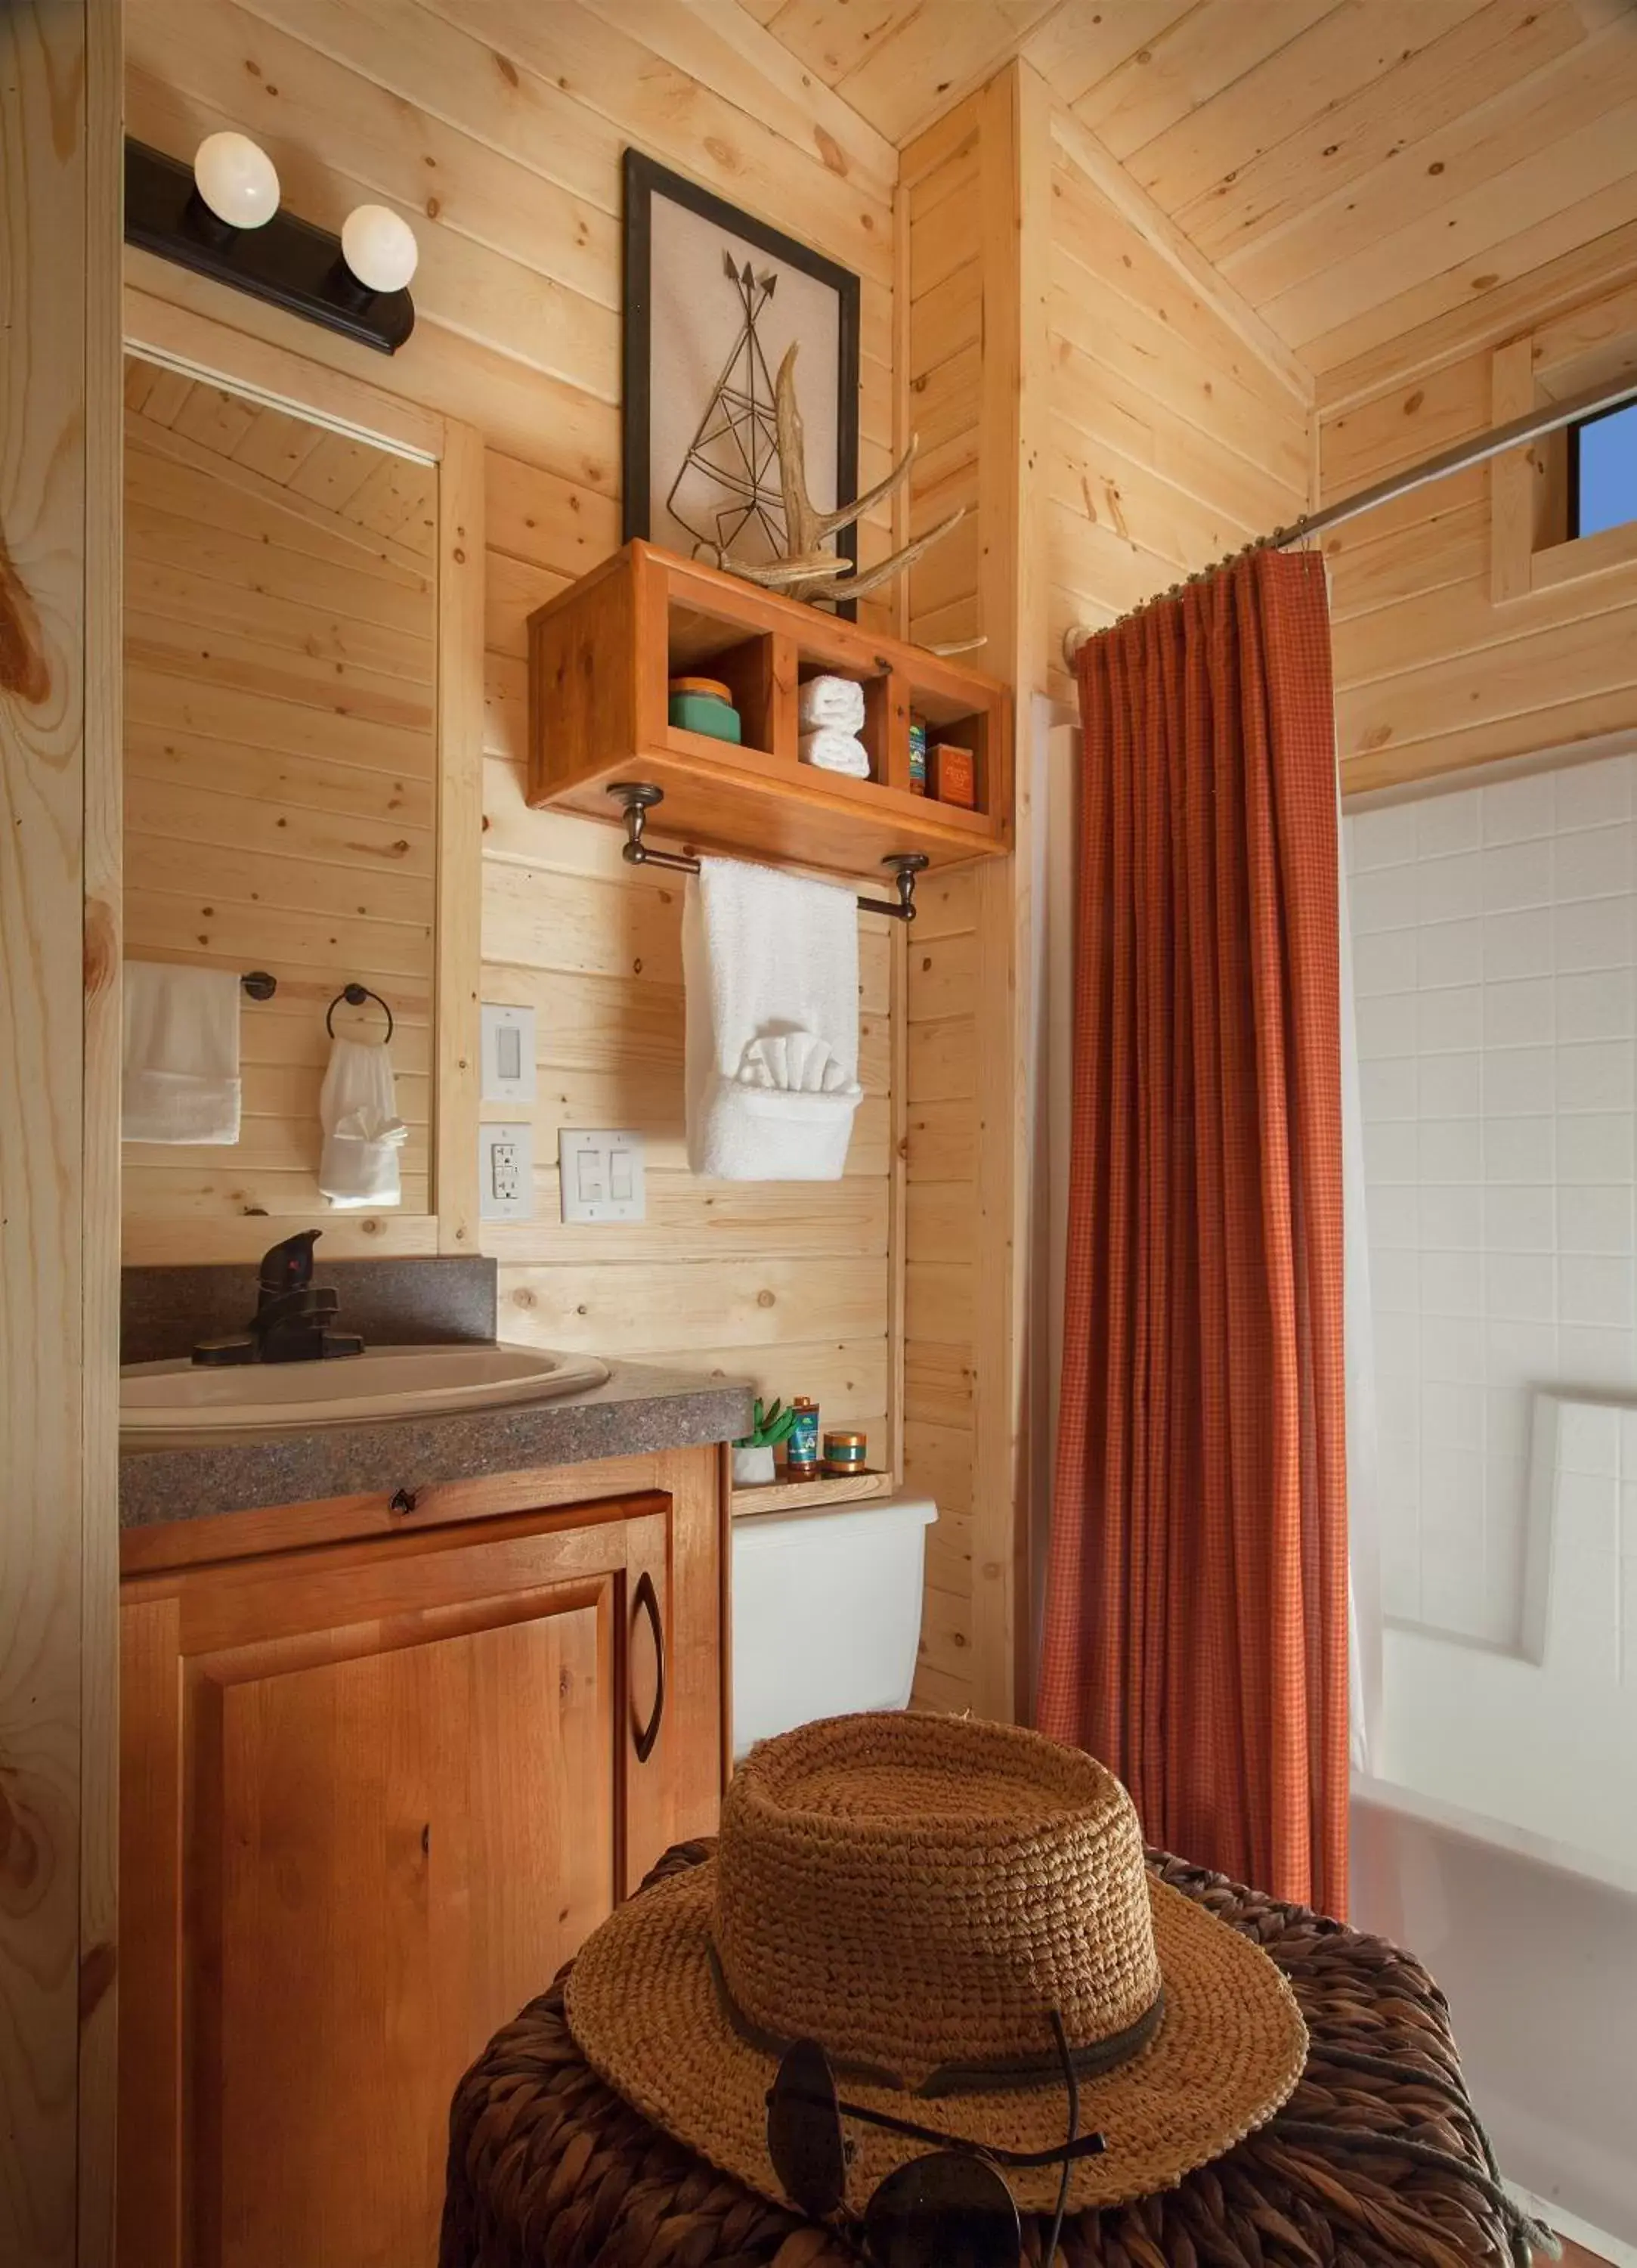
[[1535, 1946]]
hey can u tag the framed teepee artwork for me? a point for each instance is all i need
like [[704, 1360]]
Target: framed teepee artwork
[[714, 301]]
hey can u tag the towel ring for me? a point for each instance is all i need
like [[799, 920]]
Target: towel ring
[[355, 996]]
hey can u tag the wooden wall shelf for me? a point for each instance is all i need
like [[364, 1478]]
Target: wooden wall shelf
[[599, 658], [810, 1495]]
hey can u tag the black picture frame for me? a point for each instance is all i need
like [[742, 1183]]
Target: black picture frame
[[644, 179]]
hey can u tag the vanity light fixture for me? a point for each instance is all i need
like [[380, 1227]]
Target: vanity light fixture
[[220, 217], [237, 179], [379, 248]]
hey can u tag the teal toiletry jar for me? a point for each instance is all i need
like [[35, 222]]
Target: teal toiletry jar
[[703, 704]]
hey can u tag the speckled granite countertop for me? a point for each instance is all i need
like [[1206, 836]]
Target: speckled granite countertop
[[636, 1410]]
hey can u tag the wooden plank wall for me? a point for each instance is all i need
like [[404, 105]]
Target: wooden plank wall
[[940, 201], [496, 128], [1432, 673], [280, 770], [1172, 441], [941, 1138], [59, 1160], [1169, 429]]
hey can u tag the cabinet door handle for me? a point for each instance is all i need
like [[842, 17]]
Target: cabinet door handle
[[647, 1601]]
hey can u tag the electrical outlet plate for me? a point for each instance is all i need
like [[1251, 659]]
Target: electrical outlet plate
[[601, 1175], [505, 1173], [508, 1053]]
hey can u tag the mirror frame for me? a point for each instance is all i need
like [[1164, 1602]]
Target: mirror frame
[[201, 347]]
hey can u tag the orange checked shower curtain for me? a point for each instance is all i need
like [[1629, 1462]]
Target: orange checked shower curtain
[[1196, 1606]]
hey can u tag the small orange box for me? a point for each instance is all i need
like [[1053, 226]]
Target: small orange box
[[952, 775]]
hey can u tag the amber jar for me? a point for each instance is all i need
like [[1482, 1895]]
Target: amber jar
[[845, 1454]]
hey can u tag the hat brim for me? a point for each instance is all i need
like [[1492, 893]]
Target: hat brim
[[646, 2012]]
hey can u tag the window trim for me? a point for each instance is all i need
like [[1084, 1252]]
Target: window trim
[[1529, 551]]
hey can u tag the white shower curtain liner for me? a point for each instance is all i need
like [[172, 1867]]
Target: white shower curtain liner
[[1363, 1504]]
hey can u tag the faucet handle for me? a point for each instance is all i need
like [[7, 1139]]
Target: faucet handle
[[288, 1267]]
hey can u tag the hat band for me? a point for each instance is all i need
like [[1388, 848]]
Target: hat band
[[1089, 2061]]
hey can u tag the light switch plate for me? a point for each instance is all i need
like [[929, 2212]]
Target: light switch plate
[[508, 1053], [601, 1175], [505, 1173]]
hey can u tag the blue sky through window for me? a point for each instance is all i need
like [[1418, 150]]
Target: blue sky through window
[[1608, 471]]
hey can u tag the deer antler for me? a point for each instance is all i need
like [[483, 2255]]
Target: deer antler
[[822, 574]]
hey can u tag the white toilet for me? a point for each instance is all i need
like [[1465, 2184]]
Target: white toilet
[[827, 1613]]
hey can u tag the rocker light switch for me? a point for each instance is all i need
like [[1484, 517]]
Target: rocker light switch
[[508, 1053], [601, 1176]]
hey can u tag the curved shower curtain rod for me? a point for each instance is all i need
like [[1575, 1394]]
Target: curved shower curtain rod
[[1549, 418]]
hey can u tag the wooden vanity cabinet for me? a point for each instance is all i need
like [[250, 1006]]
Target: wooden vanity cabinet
[[375, 1792]]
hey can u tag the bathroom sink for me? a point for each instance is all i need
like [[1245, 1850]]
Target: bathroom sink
[[172, 1402]]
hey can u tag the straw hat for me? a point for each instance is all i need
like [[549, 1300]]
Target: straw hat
[[916, 1893]]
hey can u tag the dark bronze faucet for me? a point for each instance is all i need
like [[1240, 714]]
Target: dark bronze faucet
[[290, 1323]]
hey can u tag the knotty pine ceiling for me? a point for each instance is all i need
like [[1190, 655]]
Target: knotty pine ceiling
[[1352, 167]]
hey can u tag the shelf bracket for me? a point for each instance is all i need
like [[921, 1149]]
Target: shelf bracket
[[637, 798]]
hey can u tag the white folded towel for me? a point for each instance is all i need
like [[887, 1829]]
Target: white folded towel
[[770, 961], [181, 1054], [362, 1132], [834, 751], [836, 701]]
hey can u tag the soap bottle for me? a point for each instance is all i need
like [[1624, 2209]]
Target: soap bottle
[[801, 1451]]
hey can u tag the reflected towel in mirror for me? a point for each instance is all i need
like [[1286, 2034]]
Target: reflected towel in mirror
[[362, 1132]]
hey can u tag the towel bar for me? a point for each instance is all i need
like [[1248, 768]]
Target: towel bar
[[637, 798]]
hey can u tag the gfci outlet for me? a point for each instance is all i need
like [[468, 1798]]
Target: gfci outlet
[[505, 1173], [601, 1175]]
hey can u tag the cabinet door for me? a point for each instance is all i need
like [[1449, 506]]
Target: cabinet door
[[375, 1798]]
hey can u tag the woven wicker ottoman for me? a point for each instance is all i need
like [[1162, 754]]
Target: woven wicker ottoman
[[1376, 2158]]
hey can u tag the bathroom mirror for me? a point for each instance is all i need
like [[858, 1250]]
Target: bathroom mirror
[[303, 675]]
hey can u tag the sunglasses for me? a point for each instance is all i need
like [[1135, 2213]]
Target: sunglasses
[[950, 2208]]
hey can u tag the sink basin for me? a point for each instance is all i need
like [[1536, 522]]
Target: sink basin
[[164, 1403]]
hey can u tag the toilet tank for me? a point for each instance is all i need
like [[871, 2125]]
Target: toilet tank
[[827, 1613]]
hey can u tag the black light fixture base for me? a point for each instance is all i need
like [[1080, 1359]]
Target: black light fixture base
[[288, 262]]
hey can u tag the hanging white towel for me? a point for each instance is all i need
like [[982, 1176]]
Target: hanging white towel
[[833, 751], [362, 1132], [838, 701], [181, 1054], [770, 961]]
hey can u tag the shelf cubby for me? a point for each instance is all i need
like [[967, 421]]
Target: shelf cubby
[[600, 658]]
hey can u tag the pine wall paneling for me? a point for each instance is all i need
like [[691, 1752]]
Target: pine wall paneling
[[945, 343], [59, 1157], [975, 189], [496, 128], [1114, 417], [1433, 670], [1176, 433]]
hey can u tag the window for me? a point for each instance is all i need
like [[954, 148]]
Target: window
[[1602, 471]]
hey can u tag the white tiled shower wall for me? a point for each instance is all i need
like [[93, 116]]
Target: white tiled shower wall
[[1496, 985]]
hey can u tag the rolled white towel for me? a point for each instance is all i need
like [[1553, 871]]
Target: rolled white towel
[[836, 752], [835, 701]]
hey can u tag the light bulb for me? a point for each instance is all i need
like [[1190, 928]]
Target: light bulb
[[237, 180], [379, 248]]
